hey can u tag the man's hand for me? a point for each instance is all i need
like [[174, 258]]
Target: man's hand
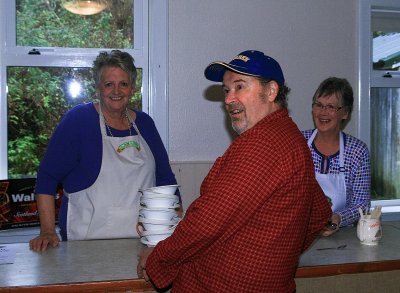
[[332, 226], [141, 267], [44, 240]]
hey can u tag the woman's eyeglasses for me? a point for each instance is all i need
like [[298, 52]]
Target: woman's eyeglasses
[[329, 108]]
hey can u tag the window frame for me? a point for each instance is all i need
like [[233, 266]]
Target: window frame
[[372, 78], [150, 53]]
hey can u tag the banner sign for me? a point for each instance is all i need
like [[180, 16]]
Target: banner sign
[[18, 205]]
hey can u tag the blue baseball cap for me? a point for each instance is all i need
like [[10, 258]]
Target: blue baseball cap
[[251, 62]]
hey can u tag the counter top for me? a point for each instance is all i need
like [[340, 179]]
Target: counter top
[[92, 266], [99, 263], [355, 257]]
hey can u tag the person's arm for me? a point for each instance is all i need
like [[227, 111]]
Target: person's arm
[[320, 213], [360, 174], [332, 226], [53, 167], [141, 266], [48, 236]]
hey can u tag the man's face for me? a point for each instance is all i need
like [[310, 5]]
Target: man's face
[[246, 100]]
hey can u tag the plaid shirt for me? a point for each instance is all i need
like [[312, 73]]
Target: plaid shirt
[[357, 174], [259, 208]]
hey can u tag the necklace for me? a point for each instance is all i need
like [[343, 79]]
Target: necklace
[[127, 118]]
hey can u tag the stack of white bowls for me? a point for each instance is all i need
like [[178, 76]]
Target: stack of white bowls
[[157, 214]]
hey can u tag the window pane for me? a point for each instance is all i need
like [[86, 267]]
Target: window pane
[[46, 23], [37, 98], [385, 143], [386, 39]]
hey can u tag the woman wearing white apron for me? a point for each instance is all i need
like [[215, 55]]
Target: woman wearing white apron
[[341, 161], [102, 153], [109, 208], [333, 185]]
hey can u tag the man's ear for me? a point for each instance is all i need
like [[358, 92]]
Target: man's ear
[[273, 90]]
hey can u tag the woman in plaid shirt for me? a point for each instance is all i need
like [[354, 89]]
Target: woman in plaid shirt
[[341, 161]]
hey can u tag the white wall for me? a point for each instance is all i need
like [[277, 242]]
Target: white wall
[[311, 39], [190, 175]]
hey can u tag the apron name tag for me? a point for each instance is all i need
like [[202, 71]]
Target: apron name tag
[[127, 144]]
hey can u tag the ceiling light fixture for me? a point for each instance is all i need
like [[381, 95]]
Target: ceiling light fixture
[[84, 7]]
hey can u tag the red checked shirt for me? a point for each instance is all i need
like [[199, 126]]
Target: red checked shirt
[[260, 207]]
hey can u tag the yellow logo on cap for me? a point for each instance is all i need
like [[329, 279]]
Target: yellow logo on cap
[[242, 57]]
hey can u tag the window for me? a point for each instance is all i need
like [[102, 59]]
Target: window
[[45, 65], [51, 23], [379, 123]]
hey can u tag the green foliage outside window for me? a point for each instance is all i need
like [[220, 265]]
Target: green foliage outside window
[[45, 23], [37, 96]]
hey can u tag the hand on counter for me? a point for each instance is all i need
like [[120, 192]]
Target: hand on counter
[[48, 236], [141, 267], [333, 226], [43, 241]]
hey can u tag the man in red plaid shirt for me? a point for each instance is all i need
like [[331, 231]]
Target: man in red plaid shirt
[[259, 207]]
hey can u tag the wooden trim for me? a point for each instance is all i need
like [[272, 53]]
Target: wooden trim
[[140, 285], [136, 285], [348, 268]]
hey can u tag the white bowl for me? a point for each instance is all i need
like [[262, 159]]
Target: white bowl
[[153, 225], [159, 195], [148, 243], [157, 237], [158, 232], [156, 227], [164, 189], [158, 214], [174, 220], [144, 229], [153, 193], [150, 192], [160, 202]]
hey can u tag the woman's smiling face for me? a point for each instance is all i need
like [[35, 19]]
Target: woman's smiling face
[[329, 121], [115, 89]]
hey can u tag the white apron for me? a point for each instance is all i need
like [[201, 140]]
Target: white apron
[[333, 185], [110, 207]]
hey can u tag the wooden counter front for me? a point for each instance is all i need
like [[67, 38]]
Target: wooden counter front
[[116, 286]]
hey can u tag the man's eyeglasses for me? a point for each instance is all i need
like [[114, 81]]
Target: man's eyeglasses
[[329, 108]]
